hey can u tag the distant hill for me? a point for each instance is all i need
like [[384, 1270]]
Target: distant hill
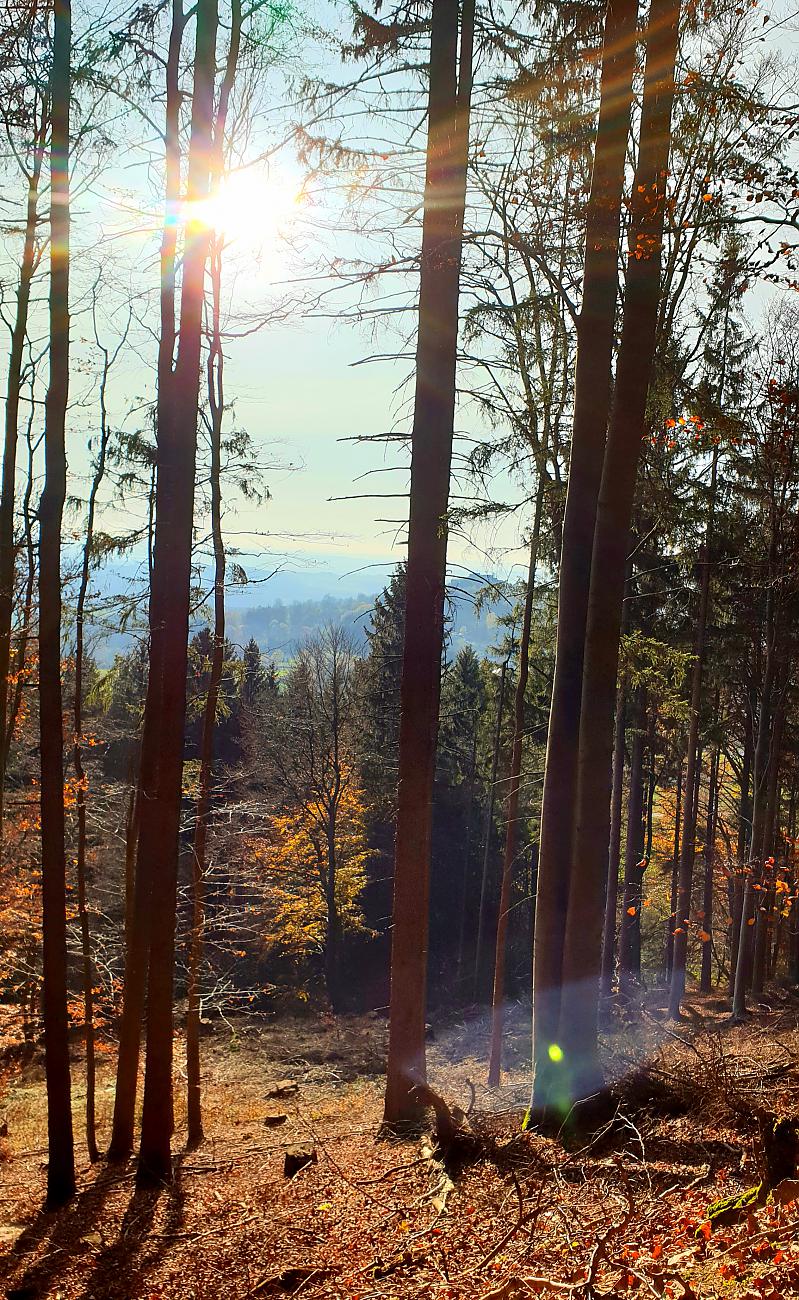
[[281, 626], [302, 595]]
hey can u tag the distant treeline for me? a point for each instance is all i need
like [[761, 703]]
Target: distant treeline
[[280, 627]]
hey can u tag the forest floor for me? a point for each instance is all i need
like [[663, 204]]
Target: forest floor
[[621, 1212]]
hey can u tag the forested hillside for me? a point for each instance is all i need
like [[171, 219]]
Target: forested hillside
[[399, 594]]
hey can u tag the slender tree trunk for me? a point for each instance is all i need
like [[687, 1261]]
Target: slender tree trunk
[[765, 900], [467, 857], [431, 454], [671, 920], [592, 387], [633, 855], [21, 653], [13, 394], [146, 824], [216, 404], [706, 978], [744, 826], [688, 848], [745, 964], [512, 819], [492, 795], [61, 1155], [614, 851], [177, 450], [583, 937], [80, 771]]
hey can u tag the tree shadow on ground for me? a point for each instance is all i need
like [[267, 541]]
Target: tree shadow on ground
[[118, 1267]]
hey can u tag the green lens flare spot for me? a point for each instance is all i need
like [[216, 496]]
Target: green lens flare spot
[[555, 1052]]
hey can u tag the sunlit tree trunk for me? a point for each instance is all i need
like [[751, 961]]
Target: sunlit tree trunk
[[61, 1156], [431, 454], [595, 338], [614, 851], [675, 872]]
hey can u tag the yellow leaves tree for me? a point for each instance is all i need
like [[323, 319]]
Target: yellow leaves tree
[[303, 900]]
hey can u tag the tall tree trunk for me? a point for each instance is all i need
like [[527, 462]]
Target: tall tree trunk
[[492, 795], [688, 847], [13, 393], [706, 978], [467, 858], [760, 763], [671, 919], [583, 937], [512, 815], [216, 404], [147, 831], [765, 899], [614, 851], [177, 450], [21, 652], [633, 855], [61, 1155], [80, 771], [449, 104], [592, 388], [744, 827]]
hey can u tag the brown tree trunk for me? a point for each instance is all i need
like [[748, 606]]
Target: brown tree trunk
[[21, 652], [177, 450], [583, 937], [614, 851], [688, 848], [80, 771], [744, 827], [512, 815], [760, 764], [449, 105], [216, 404], [492, 795], [706, 978], [13, 393], [671, 919], [147, 831], [61, 1155], [765, 899], [592, 387], [633, 857]]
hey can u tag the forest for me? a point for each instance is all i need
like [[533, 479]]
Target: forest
[[440, 941]]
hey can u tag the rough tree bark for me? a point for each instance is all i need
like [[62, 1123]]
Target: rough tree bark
[[61, 1155], [449, 103]]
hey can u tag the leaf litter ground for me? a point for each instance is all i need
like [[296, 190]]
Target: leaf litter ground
[[622, 1211]]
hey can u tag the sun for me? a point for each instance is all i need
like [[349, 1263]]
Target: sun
[[253, 209]]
